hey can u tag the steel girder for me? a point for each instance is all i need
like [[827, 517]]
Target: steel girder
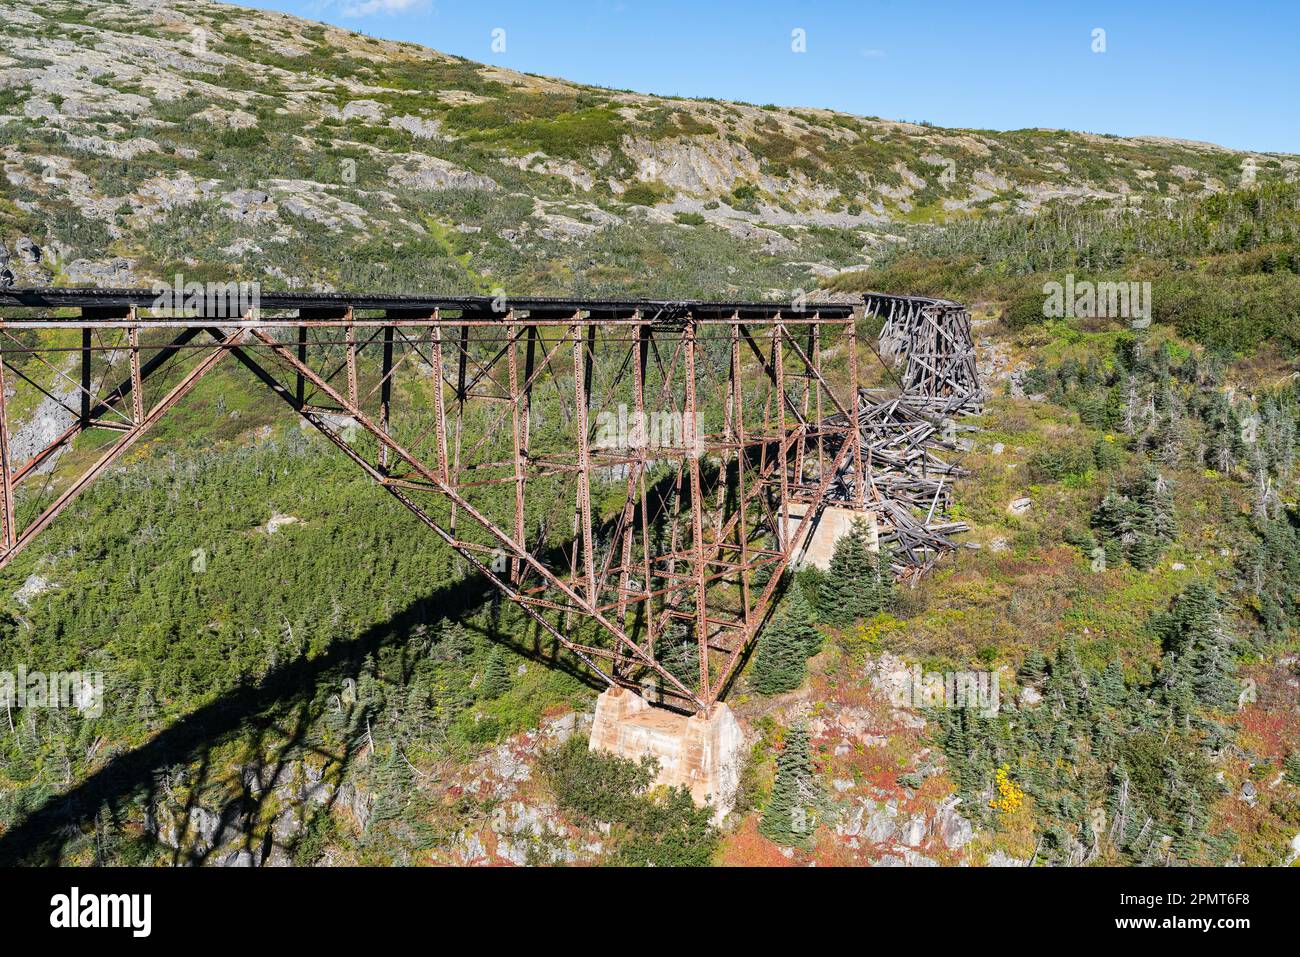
[[680, 435]]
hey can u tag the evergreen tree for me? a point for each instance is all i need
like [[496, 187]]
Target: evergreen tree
[[496, 675], [858, 582], [785, 646], [1111, 685], [791, 813], [802, 621], [1188, 812], [453, 642], [1292, 767], [1136, 521], [1155, 506], [780, 664], [1034, 668], [679, 652], [840, 591], [1066, 684], [1197, 670], [1143, 552]]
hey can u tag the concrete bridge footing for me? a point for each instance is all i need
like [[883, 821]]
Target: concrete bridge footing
[[702, 754]]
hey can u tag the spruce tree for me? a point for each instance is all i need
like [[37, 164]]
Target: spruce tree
[[496, 675], [840, 590], [1066, 683], [1034, 667], [1111, 685], [1197, 670], [1187, 810], [1143, 552], [790, 816], [1136, 521], [780, 664], [1292, 767], [452, 643], [801, 620], [1155, 506], [858, 582]]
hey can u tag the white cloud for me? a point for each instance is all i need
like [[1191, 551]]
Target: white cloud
[[873, 54], [366, 8]]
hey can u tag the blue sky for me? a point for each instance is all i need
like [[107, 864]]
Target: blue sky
[[1227, 72]]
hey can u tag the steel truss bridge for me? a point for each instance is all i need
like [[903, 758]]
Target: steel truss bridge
[[694, 442]]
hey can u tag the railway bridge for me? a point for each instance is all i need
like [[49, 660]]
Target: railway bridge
[[635, 475]]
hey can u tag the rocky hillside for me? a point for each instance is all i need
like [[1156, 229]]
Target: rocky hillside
[[1134, 533], [140, 139]]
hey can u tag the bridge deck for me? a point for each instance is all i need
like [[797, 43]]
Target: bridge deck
[[213, 301]]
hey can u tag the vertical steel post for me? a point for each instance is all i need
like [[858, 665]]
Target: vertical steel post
[[352, 360], [385, 393], [644, 333], [742, 460], [581, 382], [697, 524], [461, 359], [815, 354], [783, 448], [6, 470], [300, 393], [440, 406], [634, 473], [137, 380], [85, 378], [855, 430], [517, 436]]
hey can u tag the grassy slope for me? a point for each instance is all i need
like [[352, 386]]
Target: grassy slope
[[602, 152]]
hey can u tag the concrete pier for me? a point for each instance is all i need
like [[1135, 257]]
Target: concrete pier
[[701, 754], [816, 545]]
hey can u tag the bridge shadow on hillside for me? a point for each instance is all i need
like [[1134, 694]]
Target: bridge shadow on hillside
[[278, 707]]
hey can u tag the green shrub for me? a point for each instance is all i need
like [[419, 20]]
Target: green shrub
[[1022, 311], [662, 827], [644, 194]]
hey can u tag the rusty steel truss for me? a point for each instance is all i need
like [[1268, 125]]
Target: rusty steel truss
[[632, 475]]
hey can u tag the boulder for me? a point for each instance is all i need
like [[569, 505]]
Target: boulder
[[249, 205], [117, 273], [417, 126], [881, 826], [363, 110], [27, 251], [914, 831], [418, 171], [32, 587], [1003, 859], [953, 829], [1029, 697]]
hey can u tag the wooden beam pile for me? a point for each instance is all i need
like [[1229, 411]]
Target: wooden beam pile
[[909, 479], [909, 436]]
